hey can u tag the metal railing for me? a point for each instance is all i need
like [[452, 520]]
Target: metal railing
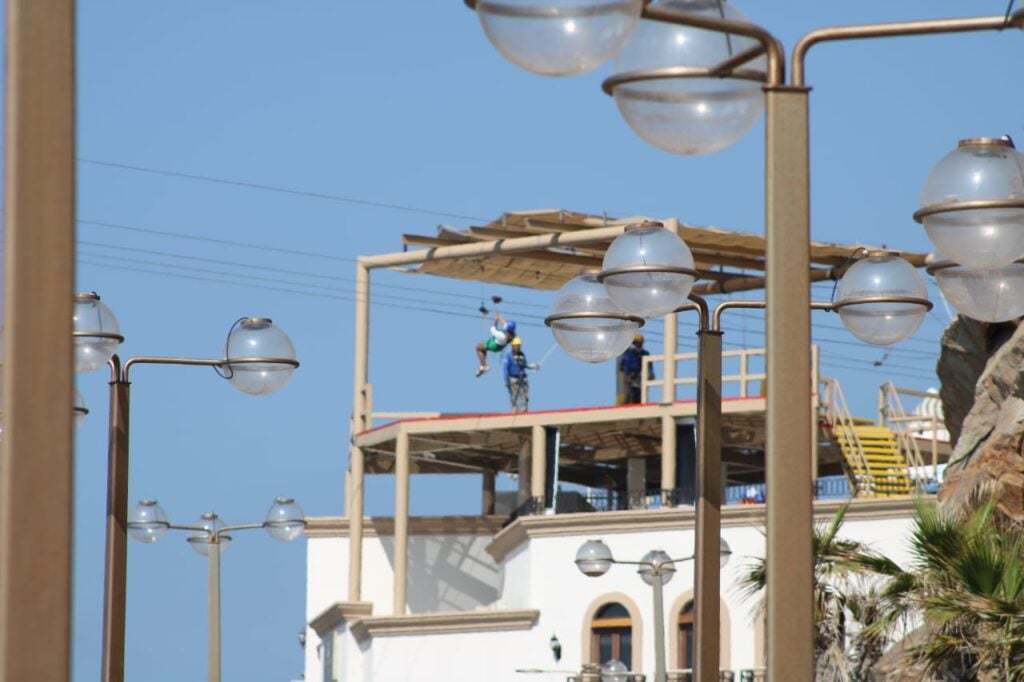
[[837, 413], [743, 383], [744, 675], [892, 414], [826, 488]]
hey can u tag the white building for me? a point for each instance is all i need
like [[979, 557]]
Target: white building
[[497, 596]]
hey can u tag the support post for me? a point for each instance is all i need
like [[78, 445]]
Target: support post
[[360, 422], [401, 521], [36, 461], [668, 460], [709, 505], [116, 557], [525, 467], [213, 550], [538, 457], [487, 494], [668, 393], [659, 627], [789, 560]]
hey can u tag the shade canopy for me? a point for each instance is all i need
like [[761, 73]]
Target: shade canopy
[[727, 261]]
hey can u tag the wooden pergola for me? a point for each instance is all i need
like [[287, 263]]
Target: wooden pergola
[[543, 250]]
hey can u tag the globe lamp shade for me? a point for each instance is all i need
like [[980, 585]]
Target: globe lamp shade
[[648, 271], [992, 295], [663, 88], [882, 299], [96, 332], [201, 541], [724, 552], [587, 324], [558, 37], [594, 558], [656, 559], [614, 670], [147, 522], [285, 520], [972, 205], [259, 358]]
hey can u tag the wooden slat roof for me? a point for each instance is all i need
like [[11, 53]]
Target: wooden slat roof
[[727, 261]]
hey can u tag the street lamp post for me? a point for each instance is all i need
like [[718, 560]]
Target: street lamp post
[[655, 568], [147, 523], [258, 358], [688, 93]]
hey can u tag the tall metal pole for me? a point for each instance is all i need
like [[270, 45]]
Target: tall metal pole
[[659, 625], [36, 462], [707, 582], [214, 608], [401, 522], [789, 557], [116, 557], [360, 421]]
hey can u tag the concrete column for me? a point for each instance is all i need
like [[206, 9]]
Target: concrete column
[[538, 456], [36, 502], [636, 481], [487, 494], [668, 459], [401, 521], [525, 468], [669, 366], [360, 422]]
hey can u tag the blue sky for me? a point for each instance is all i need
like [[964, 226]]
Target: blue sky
[[406, 117]]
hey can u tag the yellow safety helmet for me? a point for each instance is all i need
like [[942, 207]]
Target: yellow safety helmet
[[639, 338], [517, 341]]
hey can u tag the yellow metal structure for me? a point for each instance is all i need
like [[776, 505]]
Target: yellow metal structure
[[874, 460]]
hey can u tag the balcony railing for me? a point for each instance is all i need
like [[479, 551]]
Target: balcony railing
[[745, 675]]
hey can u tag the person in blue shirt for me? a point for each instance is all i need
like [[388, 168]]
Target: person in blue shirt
[[630, 365], [516, 381]]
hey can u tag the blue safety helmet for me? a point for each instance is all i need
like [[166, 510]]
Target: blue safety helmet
[[510, 326]]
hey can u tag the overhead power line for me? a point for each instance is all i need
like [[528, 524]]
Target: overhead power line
[[280, 190]]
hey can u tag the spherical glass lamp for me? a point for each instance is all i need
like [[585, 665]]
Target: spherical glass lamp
[[147, 522], [882, 299], [594, 558], [259, 358], [724, 552], [648, 270], [587, 324], [614, 670], [201, 541], [285, 520], [558, 37], [96, 332], [79, 410], [663, 87], [993, 295], [972, 206], [656, 559]]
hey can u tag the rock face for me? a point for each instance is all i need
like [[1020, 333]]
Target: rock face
[[981, 368]]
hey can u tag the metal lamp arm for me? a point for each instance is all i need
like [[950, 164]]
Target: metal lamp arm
[[202, 362], [243, 526], [894, 29]]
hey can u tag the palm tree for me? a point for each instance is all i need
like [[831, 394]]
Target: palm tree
[[966, 587], [835, 566]]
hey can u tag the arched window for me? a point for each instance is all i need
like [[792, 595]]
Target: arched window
[[687, 641], [612, 635]]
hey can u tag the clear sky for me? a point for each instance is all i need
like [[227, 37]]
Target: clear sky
[[394, 117]]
